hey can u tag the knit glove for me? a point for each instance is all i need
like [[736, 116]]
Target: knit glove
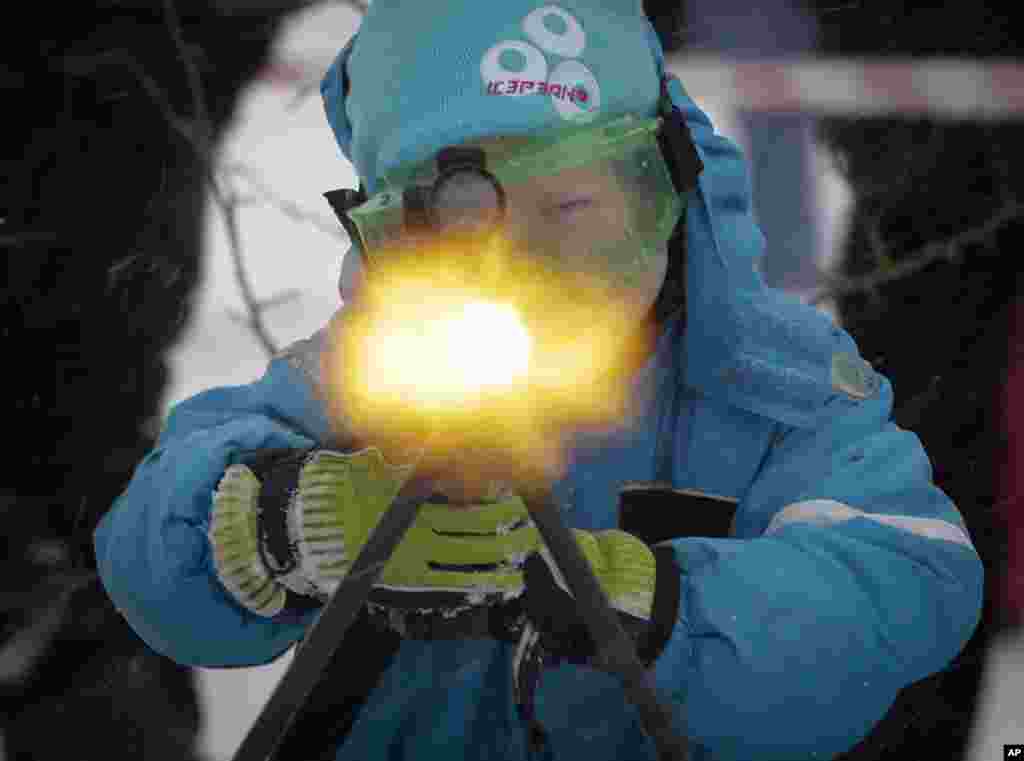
[[290, 523], [286, 528]]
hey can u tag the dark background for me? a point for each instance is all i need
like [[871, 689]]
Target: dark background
[[102, 208]]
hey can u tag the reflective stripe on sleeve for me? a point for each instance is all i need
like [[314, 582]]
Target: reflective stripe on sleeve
[[825, 512]]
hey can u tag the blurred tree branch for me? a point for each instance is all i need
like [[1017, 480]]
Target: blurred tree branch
[[290, 209], [197, 131], [889, 270], [302, 92], [229, 205], [199, 134]]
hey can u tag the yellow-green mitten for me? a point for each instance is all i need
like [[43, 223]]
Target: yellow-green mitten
[[296, 521]]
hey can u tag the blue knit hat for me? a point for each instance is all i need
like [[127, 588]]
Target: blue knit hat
[[418, 76]]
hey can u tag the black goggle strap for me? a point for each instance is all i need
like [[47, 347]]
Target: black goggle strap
[[677, 145], [341, 201]]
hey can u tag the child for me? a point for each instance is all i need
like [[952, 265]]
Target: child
[[773, 541]]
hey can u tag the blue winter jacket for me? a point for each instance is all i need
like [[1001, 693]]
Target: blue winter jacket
[[846, 576]]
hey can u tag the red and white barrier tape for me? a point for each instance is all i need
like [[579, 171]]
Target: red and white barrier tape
[[945, 87]]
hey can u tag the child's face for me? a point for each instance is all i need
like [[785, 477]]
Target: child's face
[[563, 218], [581, 223], [568, 216]]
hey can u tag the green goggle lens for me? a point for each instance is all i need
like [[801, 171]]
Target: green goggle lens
[[421, 201]]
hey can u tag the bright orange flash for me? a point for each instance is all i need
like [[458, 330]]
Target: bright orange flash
[[449, 355], [496, 355]]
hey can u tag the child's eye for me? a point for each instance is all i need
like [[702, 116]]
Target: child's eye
[[573, 204]]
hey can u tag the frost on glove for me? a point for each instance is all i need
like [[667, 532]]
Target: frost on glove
[[287, 527]]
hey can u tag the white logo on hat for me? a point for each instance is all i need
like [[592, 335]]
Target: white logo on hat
[[571, 85]]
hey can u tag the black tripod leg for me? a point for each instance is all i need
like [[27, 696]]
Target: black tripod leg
[[327, 632], [616, 651]]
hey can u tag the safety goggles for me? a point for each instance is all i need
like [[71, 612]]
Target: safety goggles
[[464, 192]]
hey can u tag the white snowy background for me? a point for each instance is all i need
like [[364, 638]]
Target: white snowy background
[[285, 141]]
